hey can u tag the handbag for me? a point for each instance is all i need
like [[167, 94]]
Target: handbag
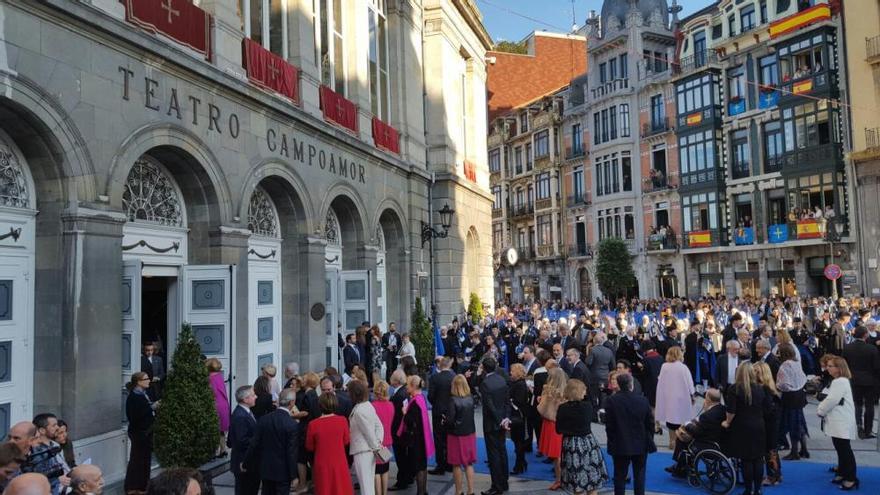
[[383, 455]]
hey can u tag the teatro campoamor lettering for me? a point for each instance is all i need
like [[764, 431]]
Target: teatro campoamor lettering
[[228, 124]]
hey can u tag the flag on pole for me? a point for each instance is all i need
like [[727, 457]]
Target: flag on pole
[[439, 349]]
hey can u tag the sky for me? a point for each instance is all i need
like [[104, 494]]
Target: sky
[[512, 20]]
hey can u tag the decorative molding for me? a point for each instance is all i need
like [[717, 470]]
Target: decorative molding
[[142, 243], [332, 260], [254, 252], [13, 232]]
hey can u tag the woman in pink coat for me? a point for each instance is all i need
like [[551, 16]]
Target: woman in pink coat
[[675, 393], [221, 400]]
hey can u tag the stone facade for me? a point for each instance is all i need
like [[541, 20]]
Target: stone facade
[[95, 108]]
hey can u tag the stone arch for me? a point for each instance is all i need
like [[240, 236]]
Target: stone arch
[[472, 260], [287, 191], [397, 293], [354, 233], [195, 170]]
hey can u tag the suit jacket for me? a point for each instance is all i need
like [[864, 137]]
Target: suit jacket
[[241, 434], [600, 362], [864, 363], [344, 405], [350, 358], [721, 378], [276, 445], [496, 401], [154, 369], [534, 366], [708, 427], [440, 393], [397, 399], [629, 424], [771, 360], [581, 372]]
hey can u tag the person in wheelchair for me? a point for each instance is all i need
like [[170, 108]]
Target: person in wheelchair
[[703, 432]]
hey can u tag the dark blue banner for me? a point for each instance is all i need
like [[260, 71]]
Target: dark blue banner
[[777, 233], [744, 236]]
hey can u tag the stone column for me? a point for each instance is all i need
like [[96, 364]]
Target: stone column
[[227, 34], [305, 340], [229, 246]]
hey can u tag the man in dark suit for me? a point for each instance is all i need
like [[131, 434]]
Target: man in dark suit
[[440, 397], [725, 369], [529, 361], [241, 433], [705, 430], [391, 343], [405, 475], [351, 354], [333, 385], [496, 421], [629, 424], [559, 356], [864, 364], [732, 328], [578, 368], [276, 445], [762, 353], [152, 365]]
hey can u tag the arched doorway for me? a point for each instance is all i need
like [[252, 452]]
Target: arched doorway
[[396, 270], [17, 255], [585, 288], [264, 283], [472, 270]]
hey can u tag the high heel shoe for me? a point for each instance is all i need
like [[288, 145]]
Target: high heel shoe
[[854, 486]]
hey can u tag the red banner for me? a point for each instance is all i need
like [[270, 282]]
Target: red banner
[[339, 110], [180, 20], [270, 71], [470, 171], [385, 136]]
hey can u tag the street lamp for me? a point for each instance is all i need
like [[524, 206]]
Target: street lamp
[[428, 232], [838, 229]]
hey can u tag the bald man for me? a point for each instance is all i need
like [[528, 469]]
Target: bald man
[[29, 484], [87, 479], [23, 434]]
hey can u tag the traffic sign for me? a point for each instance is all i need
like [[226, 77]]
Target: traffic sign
[[832, 272]]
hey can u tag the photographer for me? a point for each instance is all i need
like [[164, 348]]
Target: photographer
[[39, 453]]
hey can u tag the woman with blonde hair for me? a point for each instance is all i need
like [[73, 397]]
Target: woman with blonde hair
[[764, 377], [519, 399], [837, 411], [746, 402], [461, 437], [583, 467], [551, 441], [385, 410], [221, 400], [783, 339], [675, 393]]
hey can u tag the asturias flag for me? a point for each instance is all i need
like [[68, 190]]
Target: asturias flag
[[439, 348]]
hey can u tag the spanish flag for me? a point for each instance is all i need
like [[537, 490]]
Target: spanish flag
[[802, 87], [808, 229], [694, 118], [700, 238], [806, 17]]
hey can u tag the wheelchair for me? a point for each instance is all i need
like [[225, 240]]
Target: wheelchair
[[709, 468]]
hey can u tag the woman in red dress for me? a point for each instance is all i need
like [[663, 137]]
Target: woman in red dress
[[328, 436], [549, 402]]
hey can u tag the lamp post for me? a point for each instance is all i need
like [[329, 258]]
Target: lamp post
[[838, 231], [429, 233]]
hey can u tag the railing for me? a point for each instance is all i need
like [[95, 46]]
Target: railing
[[872, 47], [580, 250], [805, 84], [695, 62], [773, 163], [656, 184], [581, 199], [526, 253], [575, 152], [543, 203], [656, 126], [610, 87], [661, 242], [522, 210], [545, 251], [824, 155], [872, 138], [648, 69], [497, 213]]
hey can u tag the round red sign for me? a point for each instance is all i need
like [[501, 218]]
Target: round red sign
[[832, 272]]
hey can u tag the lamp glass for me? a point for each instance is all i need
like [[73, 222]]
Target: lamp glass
[[838, 226], [446, 216]]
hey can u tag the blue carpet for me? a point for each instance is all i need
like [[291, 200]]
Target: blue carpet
[[802, 477]]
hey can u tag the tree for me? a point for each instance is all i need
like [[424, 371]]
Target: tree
[[475, 308], [422, 338], [187, 429], [614, 270], [511, 47]]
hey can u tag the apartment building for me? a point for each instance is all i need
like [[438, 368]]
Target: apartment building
[[763, 185], [526, 105]]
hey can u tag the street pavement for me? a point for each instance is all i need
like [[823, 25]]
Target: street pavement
[[821, 452]]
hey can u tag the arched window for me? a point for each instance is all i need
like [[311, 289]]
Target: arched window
[[13, 181], [262, 217], [151, 196], [331, 229]]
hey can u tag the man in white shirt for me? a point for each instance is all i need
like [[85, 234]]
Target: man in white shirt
[[725, 371]]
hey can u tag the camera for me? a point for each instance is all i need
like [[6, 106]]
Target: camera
[[41, 461]]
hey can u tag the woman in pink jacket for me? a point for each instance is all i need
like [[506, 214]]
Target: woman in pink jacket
[[221, 400], [675, 393]]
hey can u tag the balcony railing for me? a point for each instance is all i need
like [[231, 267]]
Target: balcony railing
[[581, 199], [872, 48], [822, 156], [657, 126], [575, 152], [580, 251], [695, 62], [657, 184], [872, 138], [661, 242], [523, 210], [773, 163], [527, 253], [545, 251], [610, 88], [497, 213], [806, 84], [649, 68]]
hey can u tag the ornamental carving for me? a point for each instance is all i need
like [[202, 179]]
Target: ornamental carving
[[262, 218], [331, 229], [380, 237], [13, 184], [150, 195]]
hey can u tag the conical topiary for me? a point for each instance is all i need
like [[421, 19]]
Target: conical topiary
[[475, 309], [187, 429], [422, 338]]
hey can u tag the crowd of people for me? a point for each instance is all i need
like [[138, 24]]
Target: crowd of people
[[542, 376]]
